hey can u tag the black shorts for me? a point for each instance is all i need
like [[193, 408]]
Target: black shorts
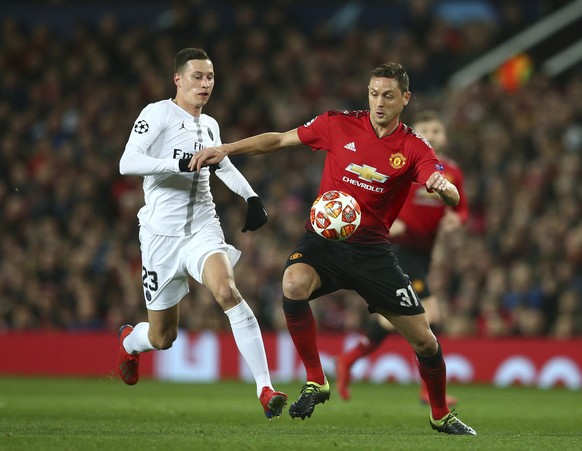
[[372, 271], [416, 264]]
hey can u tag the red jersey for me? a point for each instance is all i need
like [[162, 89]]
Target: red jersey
[[422, 211], [377, 172]]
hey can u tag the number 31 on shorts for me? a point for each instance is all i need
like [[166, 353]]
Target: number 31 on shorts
[[408, 296]]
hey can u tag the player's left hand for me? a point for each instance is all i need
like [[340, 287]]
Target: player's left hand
[[448, 192], [437, 182], [256, 214]]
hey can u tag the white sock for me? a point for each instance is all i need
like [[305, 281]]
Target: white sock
[[249, 341], [137, 340]]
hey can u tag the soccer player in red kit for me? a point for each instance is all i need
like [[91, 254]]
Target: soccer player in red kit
[[374, 157], [413, 235]]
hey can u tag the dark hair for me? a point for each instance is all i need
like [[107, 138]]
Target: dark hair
[[395, 71], [187, 54], [426, 116]]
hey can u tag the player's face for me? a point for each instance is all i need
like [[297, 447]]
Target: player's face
[[195, 83], [386, 101], [434, 132]]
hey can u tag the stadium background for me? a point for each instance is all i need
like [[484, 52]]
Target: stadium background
[[75, 75]]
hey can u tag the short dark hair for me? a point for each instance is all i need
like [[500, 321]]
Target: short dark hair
[[187, 54], [395, 71], [426, 116]]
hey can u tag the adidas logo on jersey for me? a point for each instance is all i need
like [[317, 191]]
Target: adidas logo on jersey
[[351, 146]]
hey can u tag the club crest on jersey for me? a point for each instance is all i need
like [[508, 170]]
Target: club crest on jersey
[[397, 160], [141, 127]]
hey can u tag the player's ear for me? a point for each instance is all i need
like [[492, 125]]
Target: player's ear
[[177, 78], [406, 97]]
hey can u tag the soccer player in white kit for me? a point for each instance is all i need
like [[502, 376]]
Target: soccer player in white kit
[[180, 233]]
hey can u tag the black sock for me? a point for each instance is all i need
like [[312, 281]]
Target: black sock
[[434, 361], [290, 306]]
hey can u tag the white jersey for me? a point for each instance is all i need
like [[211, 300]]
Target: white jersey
[[176, 203]]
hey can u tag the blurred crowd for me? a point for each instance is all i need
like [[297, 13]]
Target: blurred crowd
[[70, 91]]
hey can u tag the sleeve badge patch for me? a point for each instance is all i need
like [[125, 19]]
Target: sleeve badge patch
[[141, 127]]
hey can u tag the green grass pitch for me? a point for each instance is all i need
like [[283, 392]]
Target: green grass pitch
[[105, 414]]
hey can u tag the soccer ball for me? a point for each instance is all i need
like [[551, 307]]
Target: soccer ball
[[335, 215]]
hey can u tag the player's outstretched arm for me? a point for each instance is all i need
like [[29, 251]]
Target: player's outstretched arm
[[448, 192], [258, 144]]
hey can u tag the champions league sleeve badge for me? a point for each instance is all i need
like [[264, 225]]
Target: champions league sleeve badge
[[141, 127]]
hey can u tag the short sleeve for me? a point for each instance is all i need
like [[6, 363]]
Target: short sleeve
[[315, 133]]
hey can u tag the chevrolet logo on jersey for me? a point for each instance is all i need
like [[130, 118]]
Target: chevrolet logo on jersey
[[367, 173]]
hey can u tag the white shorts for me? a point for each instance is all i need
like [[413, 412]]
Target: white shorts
[[167, 261]]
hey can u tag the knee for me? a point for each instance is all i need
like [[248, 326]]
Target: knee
[[295, 288], [299, 281], [226, 295], [427, 346]]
